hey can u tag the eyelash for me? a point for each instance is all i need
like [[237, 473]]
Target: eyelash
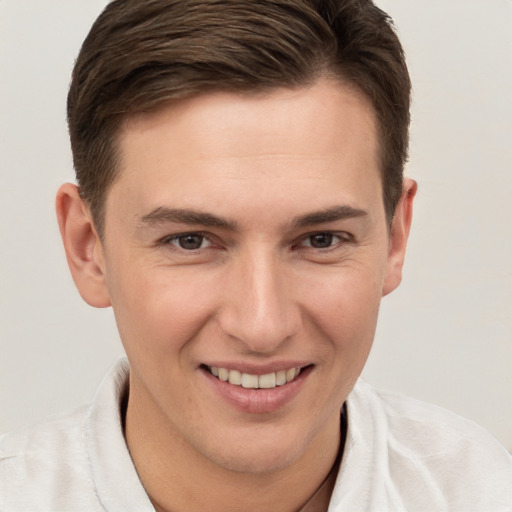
[[343, 238], [170, 240]]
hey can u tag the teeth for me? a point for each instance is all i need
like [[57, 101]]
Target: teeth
[[267, 381], [281, 377], [235, 377], [290, 374], [249, 381]]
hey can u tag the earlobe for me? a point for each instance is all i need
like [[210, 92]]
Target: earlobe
[[84, 251], [400, 228]]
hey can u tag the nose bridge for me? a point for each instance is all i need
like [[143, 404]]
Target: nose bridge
[[259, 309]]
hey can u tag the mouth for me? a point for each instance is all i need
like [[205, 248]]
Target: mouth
[[258, 390], [253, 381]]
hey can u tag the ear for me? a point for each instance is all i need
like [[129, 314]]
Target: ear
[[84, 250], [400, 227]]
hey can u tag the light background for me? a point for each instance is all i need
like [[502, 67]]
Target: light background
[[445, 336]]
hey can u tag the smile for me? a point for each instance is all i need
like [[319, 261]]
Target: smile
[[251, 381]]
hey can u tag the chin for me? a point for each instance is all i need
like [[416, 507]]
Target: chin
[[256, 461], [260, 452]]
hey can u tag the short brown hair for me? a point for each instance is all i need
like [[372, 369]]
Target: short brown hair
[[139, 55]]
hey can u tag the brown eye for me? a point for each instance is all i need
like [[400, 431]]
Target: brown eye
[[321, 240], [189, 241]]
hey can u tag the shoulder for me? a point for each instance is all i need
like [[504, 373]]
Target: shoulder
[[74, 462], [428, 456], [32, 438], [39, 461], [428, 429]]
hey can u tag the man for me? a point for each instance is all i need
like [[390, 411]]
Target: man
[[241, 206]]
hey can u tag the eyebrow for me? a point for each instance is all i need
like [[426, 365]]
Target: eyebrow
[[329, 215], [163, 214]]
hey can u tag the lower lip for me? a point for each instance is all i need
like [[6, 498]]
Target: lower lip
[[258, 401]]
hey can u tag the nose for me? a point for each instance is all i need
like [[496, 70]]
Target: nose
[[259, 309]]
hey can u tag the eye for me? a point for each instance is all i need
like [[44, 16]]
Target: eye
[[321, 240], [189, 241]]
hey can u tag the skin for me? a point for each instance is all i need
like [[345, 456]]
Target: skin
[[255, 291]]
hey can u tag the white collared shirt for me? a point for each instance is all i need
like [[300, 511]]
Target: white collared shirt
[[400, 455]]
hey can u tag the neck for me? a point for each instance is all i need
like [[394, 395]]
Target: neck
[[178, 478]]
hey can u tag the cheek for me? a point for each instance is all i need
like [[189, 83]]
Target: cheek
[[160, 308], [344, 307], [345, 316]]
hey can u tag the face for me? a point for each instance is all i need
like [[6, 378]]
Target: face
[[246, 239]]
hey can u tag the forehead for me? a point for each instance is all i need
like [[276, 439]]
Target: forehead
[[319, 108], [322, 137]]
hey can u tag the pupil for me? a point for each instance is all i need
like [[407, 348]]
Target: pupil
[[321, 240], [190, 241]]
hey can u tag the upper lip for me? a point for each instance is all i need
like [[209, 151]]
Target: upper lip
[[258, 369]]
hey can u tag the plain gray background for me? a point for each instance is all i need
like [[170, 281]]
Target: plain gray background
[[444, 336]]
